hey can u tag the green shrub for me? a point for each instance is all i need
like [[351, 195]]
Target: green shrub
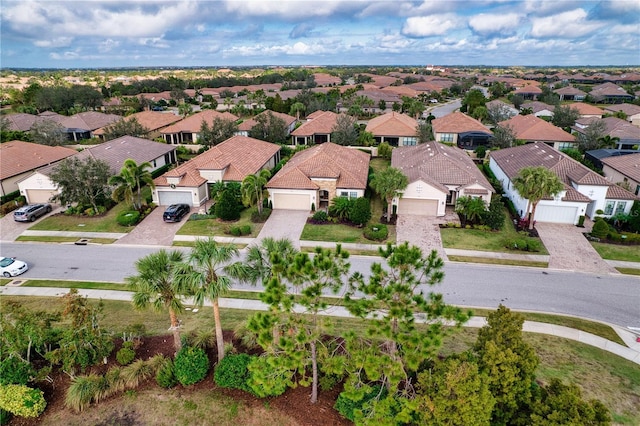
[[600, 229], [125, 356], [245, 230], [319, 217], [10, 206], [494, 217], [360, 211], [581, 221], [256, 217], [165, 377], [84, 390], [481, 151], [228, 207], [267, 377], [191, 365], [16, 371], [347, 405], [128, 217], [21, 400], [5, 417], [232, 372], [235, 231], [376, 232], [384, 150]]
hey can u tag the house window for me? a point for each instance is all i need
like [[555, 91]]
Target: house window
[[565, 145], [344, 194], [353, 194], [446, 137], [620, 205], [638, 190], [410, 141], [608, 208]]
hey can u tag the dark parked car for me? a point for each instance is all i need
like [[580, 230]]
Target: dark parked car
[[31, 212], [175, 212]]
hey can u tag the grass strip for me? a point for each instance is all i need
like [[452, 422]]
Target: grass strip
[[492, 261], [193, 243], [47, 239], [628, 271]]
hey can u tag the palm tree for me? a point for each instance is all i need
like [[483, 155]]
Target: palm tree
[[534, 184], [388, 183], [156, 286], [470, 208], [208, 273], [253, 188], [296, 108], [608, 141], [130, 181]]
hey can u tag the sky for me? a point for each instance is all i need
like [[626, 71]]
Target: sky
[[224, 33]]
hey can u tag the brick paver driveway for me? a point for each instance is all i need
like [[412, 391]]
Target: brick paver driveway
[[420, 231], [570, 250], [153, 231], [285, 224]]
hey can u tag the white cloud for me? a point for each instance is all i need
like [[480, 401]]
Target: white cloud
[[54, 42], [486, 23], [550, 7], [566, 25], [425, 26], [288, 10]]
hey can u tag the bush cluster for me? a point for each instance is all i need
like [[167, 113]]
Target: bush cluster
[[191, 365], [320, 217], [238, 231], [21, 400], [600, 229], [347, 405], [256, 217], [165, 377], [15, 371], [126, 354], [376, 232], [522, 244], [128, 217], [232, 372]]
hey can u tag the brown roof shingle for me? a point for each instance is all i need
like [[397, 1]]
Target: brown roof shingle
[[531, 128], [458, 122], [628, 165], [392, 124], [151, 120], [194, 122], [17, 157], [320, 122]]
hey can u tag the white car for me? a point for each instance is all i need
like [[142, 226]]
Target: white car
[[11, 267]]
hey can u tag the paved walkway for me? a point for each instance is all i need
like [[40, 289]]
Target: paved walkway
[[285, 224], [153, 230], [631, 353]]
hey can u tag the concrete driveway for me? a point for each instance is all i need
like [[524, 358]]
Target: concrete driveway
[[570, 250], [10, 229], [420, 231], [153, 231], [285, 224]]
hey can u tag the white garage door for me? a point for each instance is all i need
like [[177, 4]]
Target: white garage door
[[167, 198], [39, 195], [418, 207], [292, 202], [556, 214]]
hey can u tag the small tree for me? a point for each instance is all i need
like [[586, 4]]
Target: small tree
[[564, 116], [503, 137], [534, 184], [563, 405], [253, 188], [269, 128], [125, 127], [130, 181], [470, 209], [220, 130], [84, 182], [48, 132], [388, 183], [590, 138], [424, 132], [344, 132], [384, 150], [228, 207], [360, 211]]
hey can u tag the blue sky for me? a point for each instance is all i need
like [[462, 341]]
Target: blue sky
[[122, 33]]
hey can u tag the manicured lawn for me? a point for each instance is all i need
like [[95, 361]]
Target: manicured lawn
[[617, 252], [76, 284], [44, 239], [476, 239], [219, 227], [629, 271], [341, 234], [492, 261], [62, 222]]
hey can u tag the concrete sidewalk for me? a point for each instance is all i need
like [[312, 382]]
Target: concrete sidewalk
[[631, 353]]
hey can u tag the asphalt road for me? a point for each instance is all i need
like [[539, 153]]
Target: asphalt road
[[608, 298]]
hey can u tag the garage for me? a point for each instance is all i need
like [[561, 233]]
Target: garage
[[167, 198], [291, 201], [416, 206], [39, 195], [557, 214]]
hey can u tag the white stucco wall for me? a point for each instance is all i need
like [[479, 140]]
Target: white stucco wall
[[312, 194], [597, 193], [425, 191]]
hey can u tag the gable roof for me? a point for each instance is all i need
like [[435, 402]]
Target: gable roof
[[392, 124], [586, 109], [193, 123], [239, 155], [570, 91], [628, 165], [529, 89], [617, 127], [608, 89], [151, 120], [330, 161], [319, 122], [537, 106], [17, 157], [288, 119], [21, 122], [458, 122], [88, 120], [629, 109], [439, 165], [531, 128]]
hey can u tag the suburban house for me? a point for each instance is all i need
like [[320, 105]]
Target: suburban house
[[570, 93], [609, 93], [529, 92], [459, 128], [245, 127], [229, 161], [539, 109], [82, 125], [316, 130], [314, 176], [595, 156], [502, 108], [19, 159], [20, 122], [532, 129], [632, 112], [587, 110], [394, 128], [585, 192], [623, 170], [438, 175], [151, 120], [628, 135], [38, 187], [187, 130]]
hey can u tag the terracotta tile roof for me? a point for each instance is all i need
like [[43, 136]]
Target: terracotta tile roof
[[324, 79], [531, 128], [570, 91], [537, 106], [317, 123], [616, 127], [151, 120], [116, 151], [619, 193], [247, 125], [529, 89], [21, 122], [458, 122], [381, 80], [392, 124], [401, 91], [89, 120], [586, 109], [349, 166], [629, 109], [18, 157], [628, 165], [193, 123], [608, 89], [439, 165], [240, 155]]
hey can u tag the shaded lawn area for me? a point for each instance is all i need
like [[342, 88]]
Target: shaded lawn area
[[219, 227], [627, 253], [106, 223], [476, 239]]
